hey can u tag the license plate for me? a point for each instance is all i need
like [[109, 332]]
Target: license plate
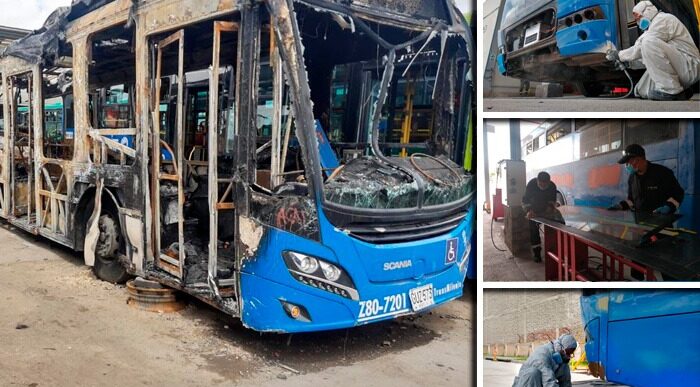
[[421, 297]]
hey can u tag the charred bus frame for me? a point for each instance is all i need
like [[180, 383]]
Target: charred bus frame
[[129, 188]]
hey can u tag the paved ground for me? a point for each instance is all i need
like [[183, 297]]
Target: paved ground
[[501, 374], [61, 326], [582, 104], [502, 265]]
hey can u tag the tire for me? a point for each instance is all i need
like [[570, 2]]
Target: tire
[[590, 89], [107, 266]]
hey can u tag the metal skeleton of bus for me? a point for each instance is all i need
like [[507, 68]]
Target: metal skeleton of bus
[[119, 193]]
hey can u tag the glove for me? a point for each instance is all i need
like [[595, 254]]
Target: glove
[[612, 55], [666, 209], [620, 206]]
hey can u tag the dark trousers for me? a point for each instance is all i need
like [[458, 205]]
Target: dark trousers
[[535, 240]]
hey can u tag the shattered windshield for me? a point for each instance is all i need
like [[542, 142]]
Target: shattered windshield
[[416, 126], [515, 10]]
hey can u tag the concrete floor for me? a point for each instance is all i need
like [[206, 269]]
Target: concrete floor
[[583, 104], [502, 265], [501, 374], [60, 326]]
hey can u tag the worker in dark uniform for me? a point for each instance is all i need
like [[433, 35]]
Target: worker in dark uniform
[[540, 202], [651, 187]]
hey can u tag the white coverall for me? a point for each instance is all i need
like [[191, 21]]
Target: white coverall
[[540, 370], [669, 54]]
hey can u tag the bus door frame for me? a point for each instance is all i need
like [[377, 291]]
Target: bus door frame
[[226, 201], [163, 261], [34, 93]]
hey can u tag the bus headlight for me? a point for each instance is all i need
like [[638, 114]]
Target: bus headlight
[[303, 262], [330, 271], [317, 273]]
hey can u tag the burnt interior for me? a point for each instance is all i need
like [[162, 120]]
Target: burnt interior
[[193, 169], [418, 117], [22, 144], [59, 123]]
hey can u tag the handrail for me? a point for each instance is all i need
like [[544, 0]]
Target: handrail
[[112, 144]]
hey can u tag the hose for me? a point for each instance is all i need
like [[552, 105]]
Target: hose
[[624, 68], [493, 241]]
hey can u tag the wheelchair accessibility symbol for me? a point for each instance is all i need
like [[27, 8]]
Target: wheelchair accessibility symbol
[[451, 251]]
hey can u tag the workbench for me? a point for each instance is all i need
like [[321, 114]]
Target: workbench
[[601, 245]]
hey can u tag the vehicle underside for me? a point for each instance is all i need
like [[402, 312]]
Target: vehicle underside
[[531, 50]]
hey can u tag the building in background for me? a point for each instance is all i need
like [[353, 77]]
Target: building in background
[[517, 321], [10, 34]]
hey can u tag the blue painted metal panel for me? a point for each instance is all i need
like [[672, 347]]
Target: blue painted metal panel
[[585, 38], [471, 250], [265, 280], [127, 140], [681, 155], [329, 160], [590, 36], [501, 64], [567, 7], [635, 304], [652, 352], [594, 312], [644, 337]]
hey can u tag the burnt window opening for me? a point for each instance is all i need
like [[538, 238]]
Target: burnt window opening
[[111, 79], [59, 122], [280, 196], [2, 114], [278, 155], [418, 123], [21, 87], [189, 171], [344, 86]]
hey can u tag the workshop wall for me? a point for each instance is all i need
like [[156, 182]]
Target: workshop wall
[[531, 315]]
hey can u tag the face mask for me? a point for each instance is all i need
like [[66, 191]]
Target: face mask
[[556, 356], [644, 24], [630, 169]]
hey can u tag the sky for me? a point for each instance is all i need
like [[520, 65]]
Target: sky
[[464, 5], [28, 14], [31, 14]]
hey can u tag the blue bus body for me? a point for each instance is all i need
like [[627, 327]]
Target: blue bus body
[[643, 337], [573, 37], [267, 281], [598, 181]]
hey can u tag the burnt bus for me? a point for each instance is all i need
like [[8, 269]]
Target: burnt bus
[[291, 163]]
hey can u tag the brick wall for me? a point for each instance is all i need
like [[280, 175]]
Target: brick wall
[[531, 316]]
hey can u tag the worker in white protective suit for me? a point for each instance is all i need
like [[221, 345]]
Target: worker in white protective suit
[[668, 53], [548, 365]]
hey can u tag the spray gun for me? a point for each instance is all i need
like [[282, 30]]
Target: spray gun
[[613, 55]]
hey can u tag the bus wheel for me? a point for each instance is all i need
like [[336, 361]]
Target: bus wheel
[[591, 89], [107, 266]]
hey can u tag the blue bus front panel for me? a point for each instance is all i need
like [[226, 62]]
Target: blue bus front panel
[[588, 32], [382, 275]]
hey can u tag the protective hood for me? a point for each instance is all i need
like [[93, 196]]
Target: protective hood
[[646, 9], [565, 342]]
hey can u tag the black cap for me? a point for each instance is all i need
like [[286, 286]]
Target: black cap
[[543, 177], [633, 150]]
